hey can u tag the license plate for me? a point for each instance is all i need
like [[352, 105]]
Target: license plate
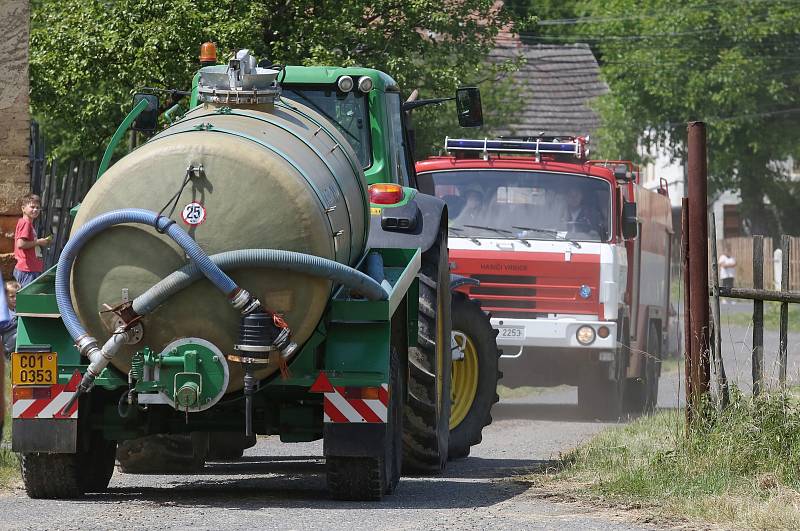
[[511, 331], [34, 368]]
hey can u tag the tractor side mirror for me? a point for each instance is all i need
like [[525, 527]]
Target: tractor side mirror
[[147, 121], [630, 220], [468, 102]]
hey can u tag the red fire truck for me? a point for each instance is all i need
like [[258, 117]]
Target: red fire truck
[[572, 256]]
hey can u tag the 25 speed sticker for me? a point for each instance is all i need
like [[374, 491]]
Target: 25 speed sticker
[[194, 213]]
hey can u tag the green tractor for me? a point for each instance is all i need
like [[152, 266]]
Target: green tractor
[[236, 275]]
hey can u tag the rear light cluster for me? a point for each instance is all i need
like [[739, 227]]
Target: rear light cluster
[[31, 393], [385, 194], [363, 393]]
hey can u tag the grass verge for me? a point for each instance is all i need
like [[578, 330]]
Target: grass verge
[[9, 466], [772, 317], [740, 468]]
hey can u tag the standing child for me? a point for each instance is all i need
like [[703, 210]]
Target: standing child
[[8, 328], [27, 246]]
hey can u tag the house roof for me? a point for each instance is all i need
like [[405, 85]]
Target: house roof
[[555, 87]]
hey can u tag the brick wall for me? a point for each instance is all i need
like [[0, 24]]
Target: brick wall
[[14, 121]]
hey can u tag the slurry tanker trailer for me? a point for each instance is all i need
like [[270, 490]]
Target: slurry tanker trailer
[[224, 280]]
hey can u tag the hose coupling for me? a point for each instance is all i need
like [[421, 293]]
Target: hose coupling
[[240, 299], [86, 345]]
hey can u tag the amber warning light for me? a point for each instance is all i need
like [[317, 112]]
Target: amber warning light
[[385, 194], [208, 53]]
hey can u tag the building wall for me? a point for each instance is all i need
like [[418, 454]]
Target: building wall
[[14, 121]]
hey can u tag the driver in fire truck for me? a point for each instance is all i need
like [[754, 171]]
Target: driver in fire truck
[[581, 214]]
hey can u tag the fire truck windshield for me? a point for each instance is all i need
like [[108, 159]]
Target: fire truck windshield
[[521, 204], [348, 111]]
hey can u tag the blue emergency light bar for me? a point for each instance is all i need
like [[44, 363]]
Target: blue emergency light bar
[[568, 146]]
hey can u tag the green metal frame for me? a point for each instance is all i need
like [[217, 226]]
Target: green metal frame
[[351, 345], [118, 134]]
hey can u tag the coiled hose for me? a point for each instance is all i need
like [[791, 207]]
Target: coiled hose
[[268, 258], [128, 215]]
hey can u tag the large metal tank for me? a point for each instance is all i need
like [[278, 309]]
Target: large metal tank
[[273, 176]]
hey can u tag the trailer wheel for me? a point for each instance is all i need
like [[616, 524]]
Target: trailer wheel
[[427, 419], [641, 394], [369, 478], [474, 381], [63, 476]]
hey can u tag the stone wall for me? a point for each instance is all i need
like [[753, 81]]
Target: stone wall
[[14, 121]]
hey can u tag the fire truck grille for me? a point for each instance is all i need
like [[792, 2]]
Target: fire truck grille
[[506, 295]]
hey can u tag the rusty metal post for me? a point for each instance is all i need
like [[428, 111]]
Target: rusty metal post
[[758, 315], [687, 328], [784, 330], [698, 265]]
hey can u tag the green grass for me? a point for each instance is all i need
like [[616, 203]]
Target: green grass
[[772, 317], [9, 466], [740, 468]]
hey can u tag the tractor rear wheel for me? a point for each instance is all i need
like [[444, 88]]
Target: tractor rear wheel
[[474, 381], [427, 414]]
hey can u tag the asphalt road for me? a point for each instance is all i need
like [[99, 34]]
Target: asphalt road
[[283, 485]]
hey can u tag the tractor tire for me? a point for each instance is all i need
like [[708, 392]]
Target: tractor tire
[[427, 414], [369, 478], [641, 394], [228, 446], [164, 454], [64, 476], [474, 380]]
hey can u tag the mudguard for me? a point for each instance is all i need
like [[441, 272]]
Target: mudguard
[[457, 281], [432, 211]]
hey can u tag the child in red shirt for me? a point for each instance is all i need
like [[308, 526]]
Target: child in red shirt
[[27, 246]]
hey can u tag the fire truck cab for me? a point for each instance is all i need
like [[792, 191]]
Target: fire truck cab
[[572, 256]]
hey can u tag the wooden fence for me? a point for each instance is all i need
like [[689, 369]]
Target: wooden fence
[[742, 250], [62, 186]]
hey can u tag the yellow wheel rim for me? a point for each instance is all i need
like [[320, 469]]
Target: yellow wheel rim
[[464, 382]]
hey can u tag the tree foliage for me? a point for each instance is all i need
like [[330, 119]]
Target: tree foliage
[[88, 56], [731, 64]]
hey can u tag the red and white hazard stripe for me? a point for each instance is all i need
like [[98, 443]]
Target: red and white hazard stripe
[[50, 406], [339, 408]]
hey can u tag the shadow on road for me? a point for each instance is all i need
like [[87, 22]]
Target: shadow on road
[[280, 482]]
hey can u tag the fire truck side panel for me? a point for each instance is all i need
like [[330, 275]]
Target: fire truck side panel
[[653, 247]]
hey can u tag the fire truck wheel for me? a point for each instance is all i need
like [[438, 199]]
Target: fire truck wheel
[[641, 394], [426, 431], [62, 476], [474, 381], [369, 478], [601, 393], [163, 453]]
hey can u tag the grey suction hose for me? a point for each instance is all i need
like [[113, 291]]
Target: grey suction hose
[[100, 357], [270, 258]]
